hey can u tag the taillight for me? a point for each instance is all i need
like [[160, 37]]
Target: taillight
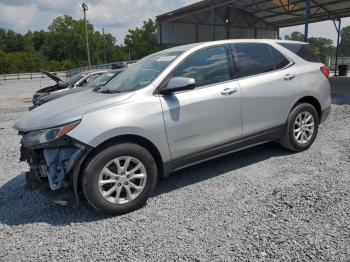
[[325, 71]]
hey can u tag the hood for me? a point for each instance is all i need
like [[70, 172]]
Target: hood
[[59, 93], [49, 89], [52, 76], [67, 109]]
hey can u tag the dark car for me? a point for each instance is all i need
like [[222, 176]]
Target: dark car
[[78, 80], [96, 83]]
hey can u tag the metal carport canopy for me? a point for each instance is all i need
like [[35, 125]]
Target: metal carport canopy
[[278, 13]]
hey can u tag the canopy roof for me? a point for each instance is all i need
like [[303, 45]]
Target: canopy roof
[[278, 13]]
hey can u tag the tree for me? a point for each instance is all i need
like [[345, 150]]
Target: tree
[[38, 39], [66, 40], [320, 45], [344, 45], [142, 41], [295, 36], [2, 39], [14, 42], [20, 62], [63, 46]]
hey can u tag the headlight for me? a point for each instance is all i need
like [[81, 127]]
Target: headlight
[[47, 135]]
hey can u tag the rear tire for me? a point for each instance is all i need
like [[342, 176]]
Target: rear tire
[[120, 178], [301, 128]]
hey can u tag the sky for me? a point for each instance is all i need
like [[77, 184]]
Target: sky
[[115, 16]]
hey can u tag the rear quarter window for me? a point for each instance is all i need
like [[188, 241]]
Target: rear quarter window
[[252, 59], [302, 50]]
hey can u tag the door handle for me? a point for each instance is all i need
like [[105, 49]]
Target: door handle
[[229, 91], [289, 77]]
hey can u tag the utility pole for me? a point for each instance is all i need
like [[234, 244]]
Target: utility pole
[[85, 8], [307, 17], [338, 28], [104, 45]]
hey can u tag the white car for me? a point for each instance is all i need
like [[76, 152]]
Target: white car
[[170, 110]]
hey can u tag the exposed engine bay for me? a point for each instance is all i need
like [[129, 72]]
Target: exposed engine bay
[[52, 166]]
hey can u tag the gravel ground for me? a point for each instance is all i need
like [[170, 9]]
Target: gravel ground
[[260, 204]]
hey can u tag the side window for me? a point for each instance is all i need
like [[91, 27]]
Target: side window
[[88, 79], [252, 59], [303, 50], [279, 59], [207, 67]]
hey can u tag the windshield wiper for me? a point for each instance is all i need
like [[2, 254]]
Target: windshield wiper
[[108, 91], [105, 91]]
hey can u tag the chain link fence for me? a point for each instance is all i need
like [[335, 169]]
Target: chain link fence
[[341, 61]]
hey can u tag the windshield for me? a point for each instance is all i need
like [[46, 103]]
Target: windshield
[[141, 73], [71, 81], [102, 80]]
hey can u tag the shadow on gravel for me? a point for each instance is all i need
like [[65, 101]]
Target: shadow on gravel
[[18, 207], [219, 166]]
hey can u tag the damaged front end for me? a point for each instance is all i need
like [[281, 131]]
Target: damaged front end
[[54, 160]]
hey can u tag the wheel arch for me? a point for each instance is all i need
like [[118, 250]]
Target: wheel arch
[[312, 101], [136, 139]]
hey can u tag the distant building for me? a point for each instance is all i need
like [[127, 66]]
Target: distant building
[[222, 19], [206, 21]]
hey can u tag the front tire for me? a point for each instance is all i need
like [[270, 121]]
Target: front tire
[[120, 178], [301, 128]]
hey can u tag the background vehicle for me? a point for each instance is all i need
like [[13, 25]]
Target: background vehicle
[[78, 80], [95, 83], [173, 109]]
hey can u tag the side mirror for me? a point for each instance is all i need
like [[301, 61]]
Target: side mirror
[[176, 84]]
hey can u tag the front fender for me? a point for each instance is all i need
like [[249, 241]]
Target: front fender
[[77, 170], [141, 116]]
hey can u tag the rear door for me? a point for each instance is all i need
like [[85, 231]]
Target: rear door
[[209, 115], [267, 84]]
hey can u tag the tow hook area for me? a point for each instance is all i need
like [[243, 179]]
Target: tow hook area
[[59, 162], [61, 196]]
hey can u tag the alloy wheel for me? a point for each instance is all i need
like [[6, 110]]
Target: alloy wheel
[[122, 180], [304, 127]]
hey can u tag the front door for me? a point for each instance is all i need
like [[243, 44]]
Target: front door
[[209, 115]]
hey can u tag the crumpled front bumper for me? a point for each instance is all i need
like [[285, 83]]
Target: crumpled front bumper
[[62, 196], [55, 168]]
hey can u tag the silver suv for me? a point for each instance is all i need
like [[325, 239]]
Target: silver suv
[[170, 110]]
